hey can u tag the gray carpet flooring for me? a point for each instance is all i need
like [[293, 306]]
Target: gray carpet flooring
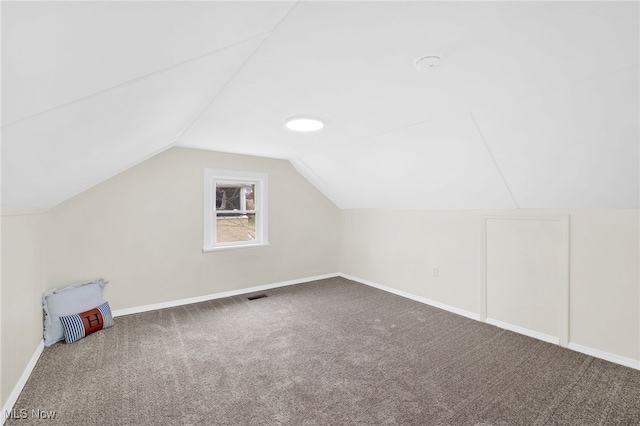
[[322, 353]]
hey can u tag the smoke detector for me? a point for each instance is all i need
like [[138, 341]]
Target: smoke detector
[[425, 63]]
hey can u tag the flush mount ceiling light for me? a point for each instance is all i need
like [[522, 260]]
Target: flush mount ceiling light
[[425, 63], [304, 124]]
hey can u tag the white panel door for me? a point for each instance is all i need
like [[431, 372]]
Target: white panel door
[[525, 275]]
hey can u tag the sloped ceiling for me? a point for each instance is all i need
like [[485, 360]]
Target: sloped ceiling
[[535, 105]]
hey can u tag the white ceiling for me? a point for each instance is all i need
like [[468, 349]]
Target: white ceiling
[[536, 104]]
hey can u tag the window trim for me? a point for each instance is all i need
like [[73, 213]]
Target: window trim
[[260, 180]]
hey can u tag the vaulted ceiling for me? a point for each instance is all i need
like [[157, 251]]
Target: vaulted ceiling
[[535, 104]]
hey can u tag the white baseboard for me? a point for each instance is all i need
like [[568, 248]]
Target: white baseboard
[[607, 356], [628, 362], [13, 397], [527, 332], [119, 312], [180, 302], [420, 299]]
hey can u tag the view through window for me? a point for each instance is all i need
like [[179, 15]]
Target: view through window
[[235, 209]]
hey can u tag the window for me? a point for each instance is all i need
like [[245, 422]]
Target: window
[[235, 209]]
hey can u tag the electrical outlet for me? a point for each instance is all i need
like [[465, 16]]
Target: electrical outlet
[[434, 271]]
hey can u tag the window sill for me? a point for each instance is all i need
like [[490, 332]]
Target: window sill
[[233, 247]]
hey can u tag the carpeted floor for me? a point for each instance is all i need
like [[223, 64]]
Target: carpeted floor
[[326, 352]]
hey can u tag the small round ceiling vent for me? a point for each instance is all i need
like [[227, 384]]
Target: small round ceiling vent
[[426, 63]]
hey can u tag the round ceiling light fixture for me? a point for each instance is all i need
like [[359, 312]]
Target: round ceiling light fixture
[[426, 63], [304, 124]]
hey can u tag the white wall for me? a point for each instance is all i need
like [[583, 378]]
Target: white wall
[[143, 231], [526, 262], [396, 248], [605, 286], [24, 239]]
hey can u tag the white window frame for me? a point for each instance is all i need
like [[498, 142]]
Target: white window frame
[[260, 182]]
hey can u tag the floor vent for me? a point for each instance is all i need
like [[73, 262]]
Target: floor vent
[[257, 296]]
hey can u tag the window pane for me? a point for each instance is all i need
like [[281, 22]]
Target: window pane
[[235, 227], [236, 209], [232, 196], [220, 198]]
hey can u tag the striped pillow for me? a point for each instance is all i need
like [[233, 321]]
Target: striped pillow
[[80, 325]]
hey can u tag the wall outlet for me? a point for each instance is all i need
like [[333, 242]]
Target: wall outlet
[[434, 271]]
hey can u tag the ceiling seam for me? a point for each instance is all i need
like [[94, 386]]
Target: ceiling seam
[[137, 79], [217, 93], [398, 129], [284, 18], [493, 159]]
